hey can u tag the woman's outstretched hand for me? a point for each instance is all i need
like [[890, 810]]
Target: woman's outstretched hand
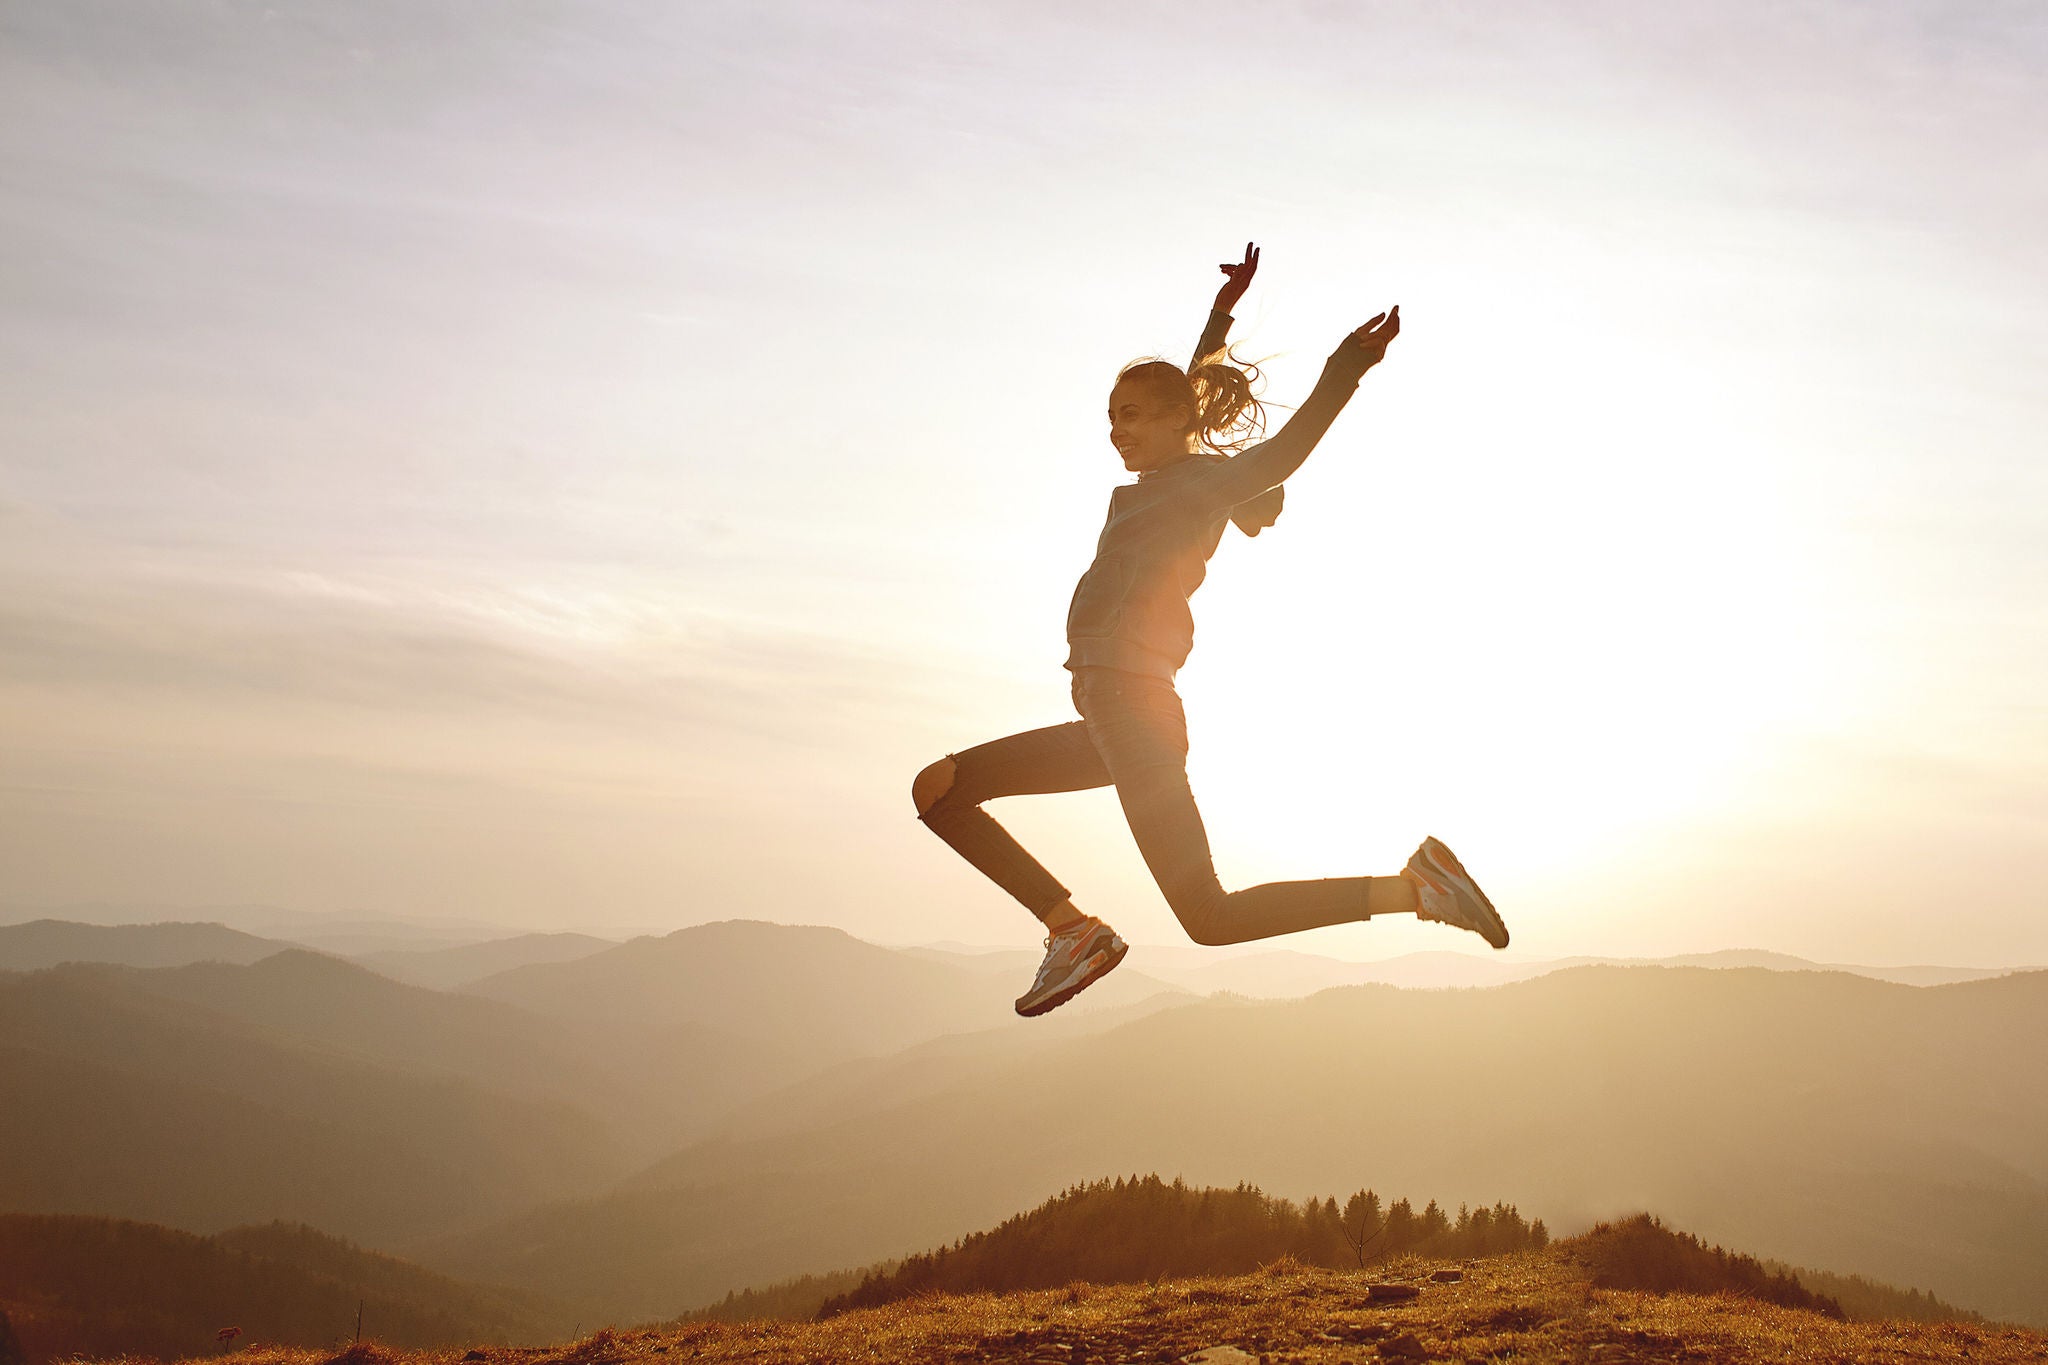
[[1240, 274], [1367, 346]]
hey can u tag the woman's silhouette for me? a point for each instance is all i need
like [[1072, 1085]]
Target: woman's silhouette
[[1129, 630]]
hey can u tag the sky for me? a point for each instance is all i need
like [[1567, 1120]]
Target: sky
[[570, 465]]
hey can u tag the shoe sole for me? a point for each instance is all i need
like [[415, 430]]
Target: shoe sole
[[1099, 967], [1489, 918]]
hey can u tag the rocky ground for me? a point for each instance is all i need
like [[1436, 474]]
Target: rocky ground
[[1531, 1308]]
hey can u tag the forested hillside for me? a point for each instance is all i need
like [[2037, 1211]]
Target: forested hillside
[[1126, 1231], [107, 1287]]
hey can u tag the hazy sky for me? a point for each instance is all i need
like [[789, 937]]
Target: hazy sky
[[571, 464]]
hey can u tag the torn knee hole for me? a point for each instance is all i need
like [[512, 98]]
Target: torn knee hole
[[931, 785]]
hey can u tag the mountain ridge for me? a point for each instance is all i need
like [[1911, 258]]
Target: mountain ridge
[[41, 943], [128, 1103], [1762, 1108]]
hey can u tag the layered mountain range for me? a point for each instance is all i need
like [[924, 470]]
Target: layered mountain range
[[644, 1126]]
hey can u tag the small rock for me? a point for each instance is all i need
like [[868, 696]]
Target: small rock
[[1393, 1293], [474, 1355], [1447, 1276], [1407, 1346], [1221, 1355]]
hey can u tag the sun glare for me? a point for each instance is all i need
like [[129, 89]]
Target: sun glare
[[1547, 631]]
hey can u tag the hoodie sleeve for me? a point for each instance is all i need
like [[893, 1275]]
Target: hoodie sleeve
[[1265, 465], [1215, 336]]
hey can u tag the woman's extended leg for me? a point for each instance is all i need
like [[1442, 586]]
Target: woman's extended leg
[[949, 794], [1139, 730], [1079, 949]]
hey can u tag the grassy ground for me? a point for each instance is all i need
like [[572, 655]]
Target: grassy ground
[[1530, 1309]]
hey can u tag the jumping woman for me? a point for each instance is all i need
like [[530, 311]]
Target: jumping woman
[[1187, 435]]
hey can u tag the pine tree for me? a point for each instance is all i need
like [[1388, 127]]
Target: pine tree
[[1479, 1234]]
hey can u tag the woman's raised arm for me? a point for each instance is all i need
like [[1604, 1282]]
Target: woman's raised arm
[[1216, 332], [1269, 462]]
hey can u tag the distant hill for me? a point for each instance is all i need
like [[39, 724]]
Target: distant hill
[[445, 968], [125, 1095], [242, 917], [1784, 962], [728, 1012], [790, 986], [796, 1300], [105, 1287], [342, 932], [47, 942], [339, 1006], [1822, 1119], [304, 1086], [1283, 973]]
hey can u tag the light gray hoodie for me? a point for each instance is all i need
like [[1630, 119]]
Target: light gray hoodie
[[1130, 609]]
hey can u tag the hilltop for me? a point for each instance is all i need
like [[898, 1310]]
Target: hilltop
[[1145, 1229], [1531, 1307]]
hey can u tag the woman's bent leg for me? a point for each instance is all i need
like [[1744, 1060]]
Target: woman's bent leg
[[1057, 758], [1139, 728]]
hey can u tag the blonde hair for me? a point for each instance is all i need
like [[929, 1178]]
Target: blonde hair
[[1221, 393]]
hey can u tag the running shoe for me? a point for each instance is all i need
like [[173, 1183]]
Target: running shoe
[[1449, 895], [1074, 957]]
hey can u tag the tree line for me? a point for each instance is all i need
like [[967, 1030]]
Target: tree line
[[1865, 1300], [1140, 1228]]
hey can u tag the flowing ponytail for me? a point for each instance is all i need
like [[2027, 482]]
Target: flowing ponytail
[[1221, 392]]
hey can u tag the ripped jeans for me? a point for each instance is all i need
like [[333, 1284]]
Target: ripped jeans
[[1133, 734]]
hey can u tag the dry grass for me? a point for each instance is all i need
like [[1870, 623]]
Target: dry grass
[[1529, 1309]]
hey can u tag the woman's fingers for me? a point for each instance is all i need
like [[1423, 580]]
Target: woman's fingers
[[1385, 325], [1372, 338], [1247, 267]]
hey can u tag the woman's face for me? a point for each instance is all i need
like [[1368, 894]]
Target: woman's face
[[1146, 432]]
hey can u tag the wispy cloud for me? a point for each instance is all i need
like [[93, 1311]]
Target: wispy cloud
[[614, 403]]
